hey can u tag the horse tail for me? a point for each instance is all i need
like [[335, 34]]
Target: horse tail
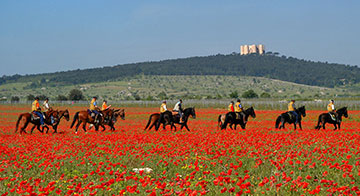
[[278, 120], [226, 121], [219, 121], [17, 122], [76, 116], [318, 124], [149, 122]]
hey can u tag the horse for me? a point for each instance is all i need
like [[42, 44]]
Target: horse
[[187, 113], [221, 120], [111, 120], [326, 118], [154, 120], [61, 113], [286, 117], [83, 117], [230, 117], [27, 118]]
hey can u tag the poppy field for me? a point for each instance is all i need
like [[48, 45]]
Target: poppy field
[[205, 161]]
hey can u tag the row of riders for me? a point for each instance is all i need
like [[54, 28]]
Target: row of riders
[[236, 115]]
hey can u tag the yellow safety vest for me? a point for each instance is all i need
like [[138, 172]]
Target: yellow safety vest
[[92, 107], [237, 107], [291, 106], [329, 107], [35, 106], [162, 110]]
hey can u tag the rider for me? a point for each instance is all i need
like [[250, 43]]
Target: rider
[[105, 106], [331, 109], [178, 109], [163, 109], [36, 109], [240, 109], [48, 108], [94, 108], [291, 109], [231, 107]]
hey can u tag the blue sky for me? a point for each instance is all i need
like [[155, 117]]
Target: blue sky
[[47, 36]]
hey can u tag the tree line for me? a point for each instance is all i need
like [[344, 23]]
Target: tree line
[[270, 66]]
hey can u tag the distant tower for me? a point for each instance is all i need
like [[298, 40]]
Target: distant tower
[[253, 49], [261, 49]]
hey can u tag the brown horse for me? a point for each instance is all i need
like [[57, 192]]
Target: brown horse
[[83, 117], [154, 119], [111, 120], [61, 113], [221, 120], [27, 118]]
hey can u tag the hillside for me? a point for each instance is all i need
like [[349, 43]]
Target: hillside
[[269, 66], [145, 87]]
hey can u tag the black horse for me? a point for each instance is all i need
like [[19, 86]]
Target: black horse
[[286, 117], [186, 114], [231, 119], [326, 118]]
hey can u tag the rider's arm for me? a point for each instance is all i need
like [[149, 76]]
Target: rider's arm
[[164, 106], [332, 107]]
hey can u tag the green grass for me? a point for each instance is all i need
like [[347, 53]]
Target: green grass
[[188, 87]]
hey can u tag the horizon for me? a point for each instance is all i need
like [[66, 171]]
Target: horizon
[[48, 37]]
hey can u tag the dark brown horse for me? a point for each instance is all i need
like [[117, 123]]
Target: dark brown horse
[[61, 113], [326, 118], [154, 119], [221, 120], [186, 114], [27, 118], [83, 117], [111, 120]]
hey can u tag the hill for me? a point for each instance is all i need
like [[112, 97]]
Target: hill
[[146, 87], [270, 66]]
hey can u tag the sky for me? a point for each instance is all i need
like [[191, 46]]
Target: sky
[[47, 36]]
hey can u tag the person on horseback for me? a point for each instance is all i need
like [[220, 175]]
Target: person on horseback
[[105, 106], [48, 108], [163, 109], [240, 110], [291, 110], [231, 107], [178, 108], [37, 110], [94, 108], [332, 111]]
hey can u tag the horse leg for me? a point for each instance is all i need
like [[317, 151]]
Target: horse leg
[[187, 127], [335, 126], [55, 128], [38, 128], [300, 126], [84, 127], [294, 126], [102, 127], [339, 125], [323, 124], [77, 126], [32, 129], [22, 129]]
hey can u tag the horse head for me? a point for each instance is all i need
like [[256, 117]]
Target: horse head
[[121, 113], [343, 111], [66, 114], [302, 111], [192, 112], [251, 112]]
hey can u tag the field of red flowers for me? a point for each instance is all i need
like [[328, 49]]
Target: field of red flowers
[[258, 161]]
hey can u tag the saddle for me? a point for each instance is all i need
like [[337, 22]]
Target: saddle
[[92, 114], [175, 113], [332, 116], [238, 115]]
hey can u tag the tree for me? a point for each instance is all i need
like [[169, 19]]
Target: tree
[[30, 97], [76, 95], [234, 94], [265, 95], [250, 94], [162, 95], [61, 98], [15, 99]]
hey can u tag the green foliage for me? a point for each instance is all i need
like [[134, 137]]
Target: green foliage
[[76, 95], [265, 95], [61, 98], [15, 99], [271, 65], [250, 94], [30, 97], [162, 95], [234, 94]]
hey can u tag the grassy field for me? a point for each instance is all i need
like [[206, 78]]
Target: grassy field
[[187, 87]]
